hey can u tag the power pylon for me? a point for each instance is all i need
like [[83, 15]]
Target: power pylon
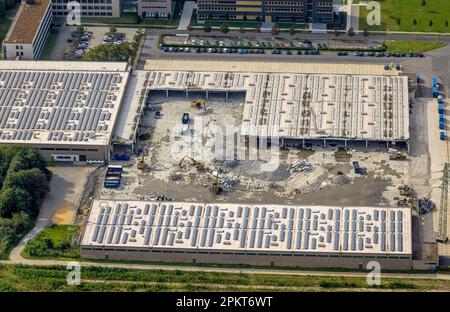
[[442, 232]]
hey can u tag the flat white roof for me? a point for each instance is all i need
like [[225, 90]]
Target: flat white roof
[[307, 101], [242, 227], [132, 106], [60, 102]]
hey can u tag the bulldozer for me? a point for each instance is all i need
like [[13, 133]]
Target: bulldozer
[[398, 156], [200, 103]]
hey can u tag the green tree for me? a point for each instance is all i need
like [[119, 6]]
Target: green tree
[[32, 180], [207, 26], [112, 30], [242, 29], [366, 32], [14, 201], [275, 30], [224, 28], [351, 32], [2, 8], [292, 30], [424, 3]]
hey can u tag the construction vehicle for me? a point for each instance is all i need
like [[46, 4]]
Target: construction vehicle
[[398, 156], [215, 187], [358, 169], [405, 190], [200, 103], [195, 163], [185, 119], [141, 163]]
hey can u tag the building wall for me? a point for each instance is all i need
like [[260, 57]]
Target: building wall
[[298, 11], [391, 262], [91, 152], [42, 35], [30, 51], [150, 7], [89, 8]]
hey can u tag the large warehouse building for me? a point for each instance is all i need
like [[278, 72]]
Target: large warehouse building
[[65, 109], [300, 102], [312, 236]]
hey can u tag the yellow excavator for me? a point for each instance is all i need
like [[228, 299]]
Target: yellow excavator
[[200, 103], [398, 156]]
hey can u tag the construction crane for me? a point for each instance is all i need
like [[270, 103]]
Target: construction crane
[[442, 231]]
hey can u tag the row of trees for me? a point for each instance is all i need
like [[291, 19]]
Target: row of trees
[[24, 182]]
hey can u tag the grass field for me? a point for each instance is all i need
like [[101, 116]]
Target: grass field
[[54, 242], [5, 22], [399, 15], [400, 46], [31, 278]]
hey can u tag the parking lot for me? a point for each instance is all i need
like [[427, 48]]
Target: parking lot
[[93, 36], [212, 45]]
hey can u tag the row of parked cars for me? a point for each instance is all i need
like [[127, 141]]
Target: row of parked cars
[[83, 42], [383, 54], [239, 51], [117, 38]]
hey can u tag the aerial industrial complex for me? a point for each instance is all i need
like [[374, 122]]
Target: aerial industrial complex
[[67, 110], [300, 101], [313, 236]]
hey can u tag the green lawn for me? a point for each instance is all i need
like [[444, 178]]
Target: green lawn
[[399, 15], [49, 46], [54, 242], [400, 46], [53, 278], [5, 22]]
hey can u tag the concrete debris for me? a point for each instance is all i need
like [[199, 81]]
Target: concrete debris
[[301, 166], [426, 206], [229, 181]]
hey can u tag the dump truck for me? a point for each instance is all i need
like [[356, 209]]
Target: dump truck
[[442, 136]]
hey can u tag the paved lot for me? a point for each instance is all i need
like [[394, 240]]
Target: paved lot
[[97, 38]]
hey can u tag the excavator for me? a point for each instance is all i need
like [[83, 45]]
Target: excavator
[[141, 163], [199, 103], [215, 187], [197, 164], [398, 156]]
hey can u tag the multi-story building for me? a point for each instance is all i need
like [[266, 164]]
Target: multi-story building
[[156, 8], [29, 30], [89, 8], [298, 11]]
